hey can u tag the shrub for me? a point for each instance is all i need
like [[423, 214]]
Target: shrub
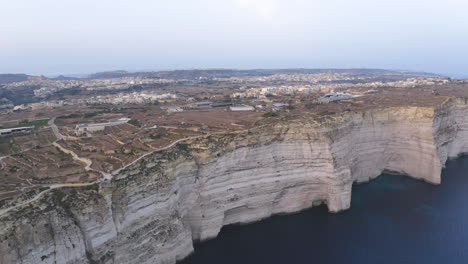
[[135, 122], [270, 114]]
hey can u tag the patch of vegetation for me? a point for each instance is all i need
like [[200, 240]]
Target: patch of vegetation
[[155, 136], [61, 94], [92, 187], [74, 115], [327, 113], [75, 145], [270, 114], [227, 99], [35, 123], [89, 115], [82, 115], [135, 122], [63, 156], [21, 95]]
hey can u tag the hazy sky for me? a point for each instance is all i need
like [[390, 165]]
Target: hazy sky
[[83, 36]]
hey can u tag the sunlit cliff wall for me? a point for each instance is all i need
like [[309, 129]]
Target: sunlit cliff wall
[[154, 210]]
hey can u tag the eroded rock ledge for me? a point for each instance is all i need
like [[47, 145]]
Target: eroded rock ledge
[[154, 210]]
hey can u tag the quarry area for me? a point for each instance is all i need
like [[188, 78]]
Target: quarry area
[[69, 132]]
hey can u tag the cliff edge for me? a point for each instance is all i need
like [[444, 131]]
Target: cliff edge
[[152, 211]]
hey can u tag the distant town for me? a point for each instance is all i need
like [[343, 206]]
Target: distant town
[[49, 93]]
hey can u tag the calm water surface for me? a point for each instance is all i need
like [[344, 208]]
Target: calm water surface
[[393, 219]]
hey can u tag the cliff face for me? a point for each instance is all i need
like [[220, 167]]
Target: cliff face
[[152, 211]]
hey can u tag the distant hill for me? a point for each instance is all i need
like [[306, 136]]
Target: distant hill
[[64, 78], [178, 74], [19, 77], [11, 78], [110, 75], [354, 71], [193, 74], [225, 73]]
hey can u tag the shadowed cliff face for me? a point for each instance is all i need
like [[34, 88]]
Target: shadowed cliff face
[[152, 211]]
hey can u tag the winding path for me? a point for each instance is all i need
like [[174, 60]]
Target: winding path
[[88, 162], [55, 129], [106, 176]]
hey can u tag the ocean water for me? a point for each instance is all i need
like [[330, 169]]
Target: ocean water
[[393, 219]]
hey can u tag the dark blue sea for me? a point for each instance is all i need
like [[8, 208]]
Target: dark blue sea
[[393, 219]]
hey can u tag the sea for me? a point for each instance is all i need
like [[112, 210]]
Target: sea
[[393, 219]]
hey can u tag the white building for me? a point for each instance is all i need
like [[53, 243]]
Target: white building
[[82, 128], [241, 108], [173, 109], [16, 130]]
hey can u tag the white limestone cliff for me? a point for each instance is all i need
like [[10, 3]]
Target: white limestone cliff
[[154, 210]]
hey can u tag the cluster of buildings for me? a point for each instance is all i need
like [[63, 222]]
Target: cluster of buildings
[[312, 78], [263, 92], [238, 106], [120, 98], [131, 98], [47, 87], [410, 82]]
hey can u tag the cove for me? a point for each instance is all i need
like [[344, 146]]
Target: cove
[[392, 219]]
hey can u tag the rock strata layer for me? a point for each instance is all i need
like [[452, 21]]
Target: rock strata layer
[[152, 211]]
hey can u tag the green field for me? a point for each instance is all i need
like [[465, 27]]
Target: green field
[[35, 123]]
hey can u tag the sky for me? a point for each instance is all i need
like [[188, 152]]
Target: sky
[[54, 37]]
